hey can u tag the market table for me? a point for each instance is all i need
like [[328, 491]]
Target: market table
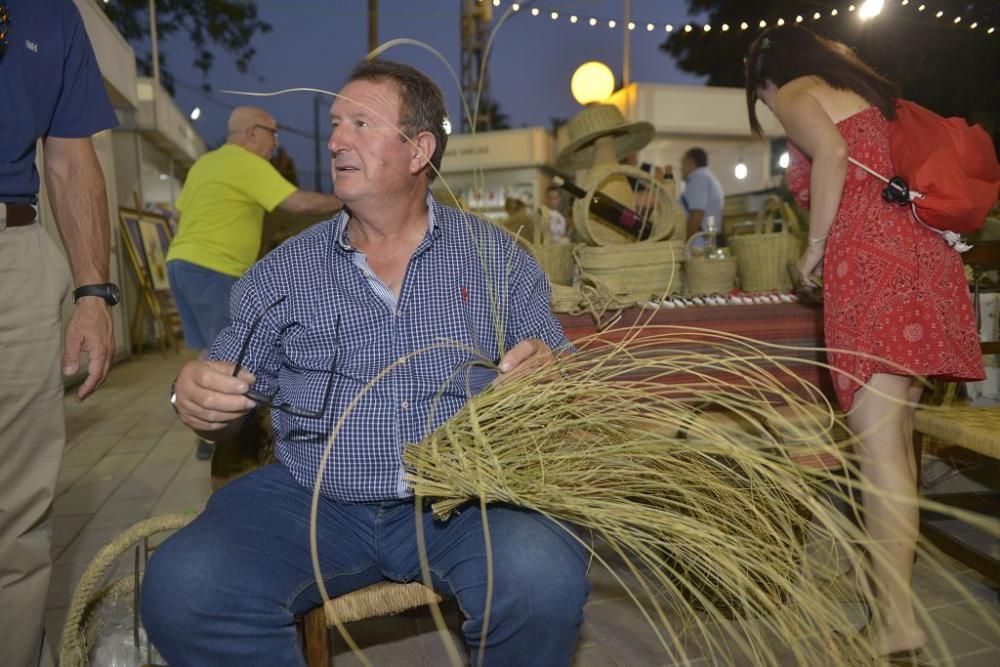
[[791, 324]]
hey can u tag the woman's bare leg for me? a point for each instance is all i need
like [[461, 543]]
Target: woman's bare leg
[[882, 420]]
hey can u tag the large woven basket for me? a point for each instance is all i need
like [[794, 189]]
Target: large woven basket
[[637, 271], [710, 276], [763, 256]]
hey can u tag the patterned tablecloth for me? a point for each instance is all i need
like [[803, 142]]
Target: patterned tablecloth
[[789, 324]]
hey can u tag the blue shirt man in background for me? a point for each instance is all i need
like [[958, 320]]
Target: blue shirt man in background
[[702, 197], [50, 89], [313, 324]]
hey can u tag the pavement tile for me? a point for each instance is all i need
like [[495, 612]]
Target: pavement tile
[[122, 513], [65, 528]]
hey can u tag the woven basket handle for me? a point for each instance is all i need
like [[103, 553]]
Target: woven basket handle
[[74, 651], [775, 209]]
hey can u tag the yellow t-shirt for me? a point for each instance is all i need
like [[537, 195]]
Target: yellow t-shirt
[[222, 208]]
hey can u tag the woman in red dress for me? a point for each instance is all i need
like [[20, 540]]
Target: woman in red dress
[[895, 296]]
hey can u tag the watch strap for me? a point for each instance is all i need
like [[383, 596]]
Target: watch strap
[[107, 291]]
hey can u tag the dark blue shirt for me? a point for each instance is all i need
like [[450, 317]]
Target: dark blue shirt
[[469, 294], [50, 86]]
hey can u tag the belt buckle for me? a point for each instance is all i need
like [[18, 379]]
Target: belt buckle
[[3, 216]]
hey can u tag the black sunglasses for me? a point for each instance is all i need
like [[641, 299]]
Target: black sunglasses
[[4, 28], [268, 399]]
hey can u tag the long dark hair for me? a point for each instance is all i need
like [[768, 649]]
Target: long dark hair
[[782, 53]]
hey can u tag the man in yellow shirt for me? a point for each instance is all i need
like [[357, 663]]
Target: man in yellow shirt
[[222, 207]]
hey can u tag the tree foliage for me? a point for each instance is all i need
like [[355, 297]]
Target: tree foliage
[[945, 66], [226, 25]]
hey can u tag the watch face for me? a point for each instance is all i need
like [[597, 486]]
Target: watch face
[[114, 294]]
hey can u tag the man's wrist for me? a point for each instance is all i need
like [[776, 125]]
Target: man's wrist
[[109, 292]]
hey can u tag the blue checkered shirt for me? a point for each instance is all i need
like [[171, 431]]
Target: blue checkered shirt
[[465, 280]]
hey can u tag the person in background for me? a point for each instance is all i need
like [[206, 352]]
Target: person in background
[[703, 197], [50, 89], [553, 214], [319, 319], [222, 207], [896, 301]]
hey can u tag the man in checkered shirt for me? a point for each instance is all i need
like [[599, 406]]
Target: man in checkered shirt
[[312, 325]]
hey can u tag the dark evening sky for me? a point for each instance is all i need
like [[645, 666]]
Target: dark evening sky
[[315, 42]]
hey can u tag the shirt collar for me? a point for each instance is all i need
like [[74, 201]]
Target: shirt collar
[[343, 238]]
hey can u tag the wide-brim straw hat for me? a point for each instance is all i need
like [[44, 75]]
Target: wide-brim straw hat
[[594, 122]]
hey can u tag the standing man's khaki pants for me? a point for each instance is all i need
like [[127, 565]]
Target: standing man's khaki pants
[[34, 280]]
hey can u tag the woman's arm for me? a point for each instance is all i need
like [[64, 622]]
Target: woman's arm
[[812, 130]]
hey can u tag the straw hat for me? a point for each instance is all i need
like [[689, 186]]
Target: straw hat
[[594, 122]]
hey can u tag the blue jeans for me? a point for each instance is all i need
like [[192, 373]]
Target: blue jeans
[[202, 298], [225, 589]]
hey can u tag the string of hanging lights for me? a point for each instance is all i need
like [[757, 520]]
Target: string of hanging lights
[[866, 10]]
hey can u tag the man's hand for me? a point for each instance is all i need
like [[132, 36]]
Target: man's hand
[[209, 398], [525, 357], [89, 330]]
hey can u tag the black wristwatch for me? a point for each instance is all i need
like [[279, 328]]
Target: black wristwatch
[[107, 291]]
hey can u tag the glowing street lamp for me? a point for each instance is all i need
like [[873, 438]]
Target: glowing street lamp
[[592, 82], [870, 9]]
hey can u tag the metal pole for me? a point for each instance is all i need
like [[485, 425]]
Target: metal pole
[[317, 140], [153, 45], [372, 25], [627, 55]]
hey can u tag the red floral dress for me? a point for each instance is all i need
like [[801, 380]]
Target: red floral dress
[[895, 296]]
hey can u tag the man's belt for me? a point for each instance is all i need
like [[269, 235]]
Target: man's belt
[[16, 215]]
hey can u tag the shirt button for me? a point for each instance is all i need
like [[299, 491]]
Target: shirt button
[[405, 405]]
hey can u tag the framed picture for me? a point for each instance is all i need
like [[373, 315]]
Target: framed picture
[[148, 238], [155, 242], [130, 219]]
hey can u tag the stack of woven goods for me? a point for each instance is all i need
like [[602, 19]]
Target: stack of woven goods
[[611, 261]]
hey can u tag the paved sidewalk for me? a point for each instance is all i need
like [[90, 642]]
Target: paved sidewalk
[[129, 458]]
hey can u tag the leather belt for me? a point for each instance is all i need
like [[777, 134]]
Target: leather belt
[[16, 215]]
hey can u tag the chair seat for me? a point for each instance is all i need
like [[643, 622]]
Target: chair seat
[[382, 599], [975, 429]]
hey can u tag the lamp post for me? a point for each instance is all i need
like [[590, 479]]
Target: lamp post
[[153, 45], [627, 51]]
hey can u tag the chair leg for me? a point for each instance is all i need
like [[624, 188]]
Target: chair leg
[[316, 637]]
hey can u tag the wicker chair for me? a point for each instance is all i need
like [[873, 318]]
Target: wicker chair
[[382, 599], [970, 428]]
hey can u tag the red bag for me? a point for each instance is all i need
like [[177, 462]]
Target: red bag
[[953, 165]]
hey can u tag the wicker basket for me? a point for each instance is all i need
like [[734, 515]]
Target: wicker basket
[[83, 620], [565, 299], [666, 217], [710, 276], [636, 271], [763, 256], [556, 259]]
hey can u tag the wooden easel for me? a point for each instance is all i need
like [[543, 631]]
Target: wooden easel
[[151, 304]]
